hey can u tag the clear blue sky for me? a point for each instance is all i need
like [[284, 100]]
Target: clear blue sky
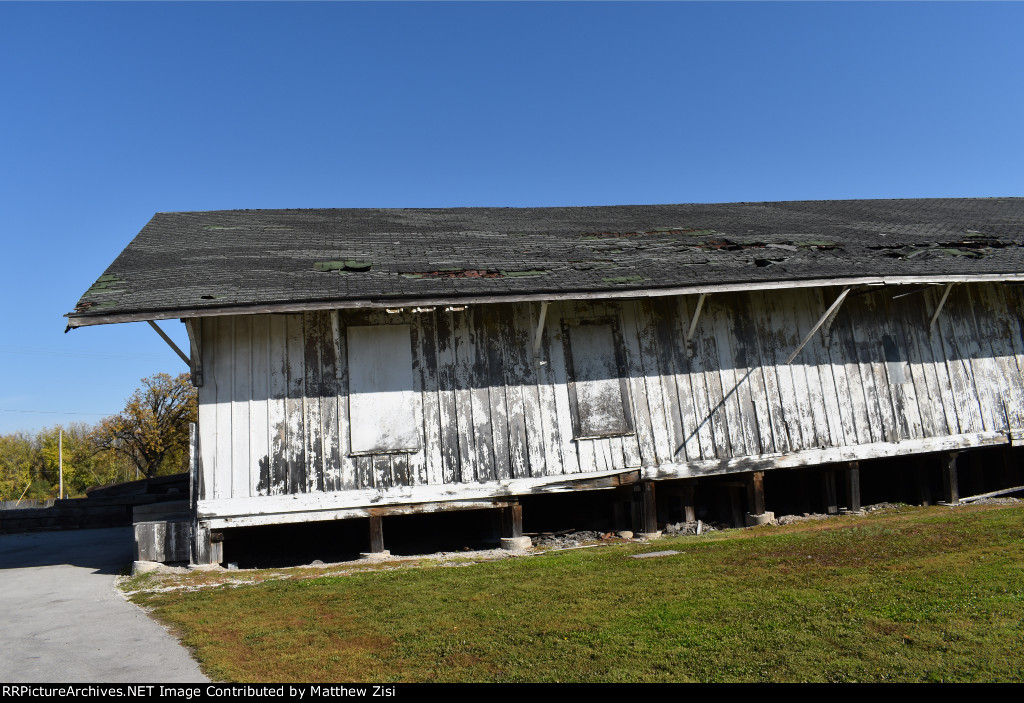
[[111, 112]]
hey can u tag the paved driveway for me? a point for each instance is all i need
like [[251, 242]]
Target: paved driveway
[[62, 621]]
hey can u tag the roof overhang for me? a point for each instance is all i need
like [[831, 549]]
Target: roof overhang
[[86, 320]]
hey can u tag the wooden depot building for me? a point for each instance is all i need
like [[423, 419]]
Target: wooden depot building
[[361, 363]]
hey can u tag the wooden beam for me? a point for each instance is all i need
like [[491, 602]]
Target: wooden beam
[[193, 491], [950, 484], [755, 493], [687, 497], [993, 494], [827, 314], [512, 521], [645, 517], [853, 487], [696, 317], [829, 489], [195, 341], [376, 534], [924, 488], [539, 334], [942, 301], [167, 339]]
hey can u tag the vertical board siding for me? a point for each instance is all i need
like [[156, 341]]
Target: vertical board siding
[[493, 402]]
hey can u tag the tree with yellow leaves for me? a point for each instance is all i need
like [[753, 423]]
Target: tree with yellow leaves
[[152, 430]]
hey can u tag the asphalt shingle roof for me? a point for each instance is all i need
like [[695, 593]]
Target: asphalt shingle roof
[[206, 261]]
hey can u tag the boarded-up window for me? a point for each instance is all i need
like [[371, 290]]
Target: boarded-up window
[[381, 409], [598, 390]]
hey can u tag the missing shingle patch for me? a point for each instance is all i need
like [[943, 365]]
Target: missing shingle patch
[[346, 266], [670, 231], [475, 273], [973, 246]]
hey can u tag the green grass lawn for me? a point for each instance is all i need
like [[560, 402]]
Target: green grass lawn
[[923, 594]]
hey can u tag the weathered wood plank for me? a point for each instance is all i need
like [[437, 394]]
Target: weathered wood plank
[[429, 372], [872, 373], [259, 410], [732, 376], [770, 357], [469, 464], [494, 361], [757, 419], [678, 317], [480, 398], [330, 398], [909, 311], [819, 356], [534, 424], [990, 363], [512, 375], [647, 345], [412, 467], [957, 358], [278, 343], [349, 469], [555, 355], [223, 440], [663, 319], [447, 394], [900, 373], [932, 349], [295, 444], [208, 410], [640, 451], [807, 308], [783, 339], [1010, 347], [311, 391]]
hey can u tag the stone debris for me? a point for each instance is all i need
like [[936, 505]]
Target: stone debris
[[565, 539], [689, 528]]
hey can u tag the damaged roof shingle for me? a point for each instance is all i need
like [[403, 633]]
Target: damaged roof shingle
[[190, 261]]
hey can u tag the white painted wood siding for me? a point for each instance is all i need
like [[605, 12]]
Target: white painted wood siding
[[275, 416]]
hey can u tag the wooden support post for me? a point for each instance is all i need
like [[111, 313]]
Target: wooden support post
[[645, 517], [512, 521], [924, 489], [689, 510], [755, 493], [376, 534], [831, 500], [170, 342], [805, 491], [824, 317], [853, 487], [696, 316], [736, 503], [209, 546], [1007, 474], [950, 483]]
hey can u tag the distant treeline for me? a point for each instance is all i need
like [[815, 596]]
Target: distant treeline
[[148, 438]]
